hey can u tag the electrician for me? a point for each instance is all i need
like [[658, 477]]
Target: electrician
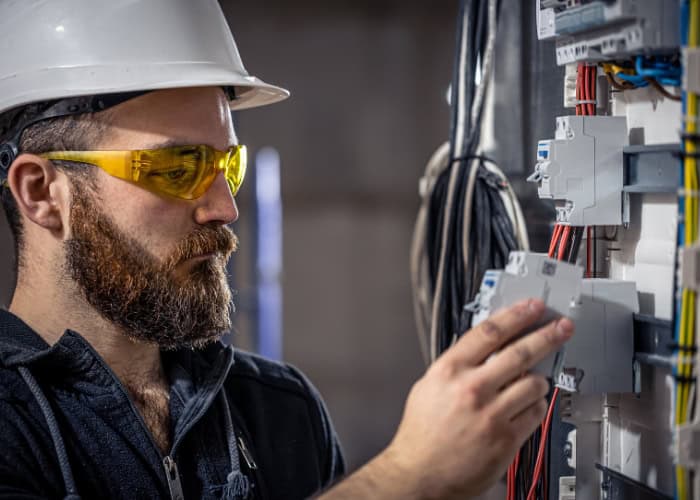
[[120, 166]]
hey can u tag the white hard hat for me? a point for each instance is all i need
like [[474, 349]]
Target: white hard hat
[[52, 49]]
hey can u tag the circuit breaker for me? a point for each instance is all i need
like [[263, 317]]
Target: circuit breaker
[[582, 169], [608, 29], [599, 357], [532, 275]]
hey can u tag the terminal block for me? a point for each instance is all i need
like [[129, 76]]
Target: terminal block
[[599, 357], [581, 169], [600, 30]]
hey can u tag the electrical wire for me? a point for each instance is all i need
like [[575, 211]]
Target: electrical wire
[[546, 425], [470, 219], [685, 320]]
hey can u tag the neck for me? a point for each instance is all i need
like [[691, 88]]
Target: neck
[[51, 307]]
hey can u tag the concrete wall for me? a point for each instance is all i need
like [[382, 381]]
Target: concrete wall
[[368, 107]]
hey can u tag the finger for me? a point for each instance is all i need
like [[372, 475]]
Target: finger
[[528, 421], [525, 353], [520, 395], [488, 336]]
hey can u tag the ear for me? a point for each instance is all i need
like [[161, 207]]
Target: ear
[[41, 194]]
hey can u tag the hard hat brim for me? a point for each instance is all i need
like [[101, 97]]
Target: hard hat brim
[[76, 81]]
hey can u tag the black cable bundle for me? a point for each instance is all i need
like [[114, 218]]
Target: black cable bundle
[[469, 229], [470, 219]]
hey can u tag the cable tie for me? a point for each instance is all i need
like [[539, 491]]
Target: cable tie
[[690, 137], [690, 118], [688, 193], [682, 155], [684, 380], [678, 347], [585, 101]]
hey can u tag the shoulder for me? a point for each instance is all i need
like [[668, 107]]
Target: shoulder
[[264, 390], [254, 369]]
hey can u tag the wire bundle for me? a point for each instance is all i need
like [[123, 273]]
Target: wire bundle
[[586, 89], [643, 71], [470, 219], [531, 464], [684, 320]]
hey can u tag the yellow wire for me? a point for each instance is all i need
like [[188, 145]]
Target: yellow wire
[[688, 298]]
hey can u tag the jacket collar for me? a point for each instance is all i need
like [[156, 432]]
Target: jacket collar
[[192, 372]]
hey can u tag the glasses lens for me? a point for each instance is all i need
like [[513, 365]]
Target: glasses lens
[[236, 168], [185, 172]]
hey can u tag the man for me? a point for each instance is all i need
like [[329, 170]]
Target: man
[[120, 166]]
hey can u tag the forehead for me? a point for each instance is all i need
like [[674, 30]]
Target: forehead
[[199, 115]]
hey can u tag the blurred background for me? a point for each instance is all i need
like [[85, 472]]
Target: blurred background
[[323, 270]]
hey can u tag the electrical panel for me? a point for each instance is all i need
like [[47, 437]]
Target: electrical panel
[[603, 29], [599, 358], [625, 167], [582, 169]]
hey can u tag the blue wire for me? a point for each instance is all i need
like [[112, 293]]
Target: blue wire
[[684, 23]]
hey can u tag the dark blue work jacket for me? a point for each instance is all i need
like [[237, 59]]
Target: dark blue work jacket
[[242, 427]]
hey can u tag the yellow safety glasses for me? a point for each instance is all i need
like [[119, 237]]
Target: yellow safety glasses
[[182, 171]]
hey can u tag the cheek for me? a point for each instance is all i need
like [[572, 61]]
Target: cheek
[[155, 222]]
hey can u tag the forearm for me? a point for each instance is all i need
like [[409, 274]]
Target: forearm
[[381, 478]]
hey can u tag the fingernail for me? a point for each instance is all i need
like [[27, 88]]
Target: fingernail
[[565, 327]]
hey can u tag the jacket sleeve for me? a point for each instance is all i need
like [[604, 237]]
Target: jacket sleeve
[[330, 448]]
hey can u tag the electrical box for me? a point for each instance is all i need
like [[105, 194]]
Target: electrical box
[[582, 169], [598, 30], [599, 357]]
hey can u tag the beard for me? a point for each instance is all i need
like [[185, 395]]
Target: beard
[[142, 295]]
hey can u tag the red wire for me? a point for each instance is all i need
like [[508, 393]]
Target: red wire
[[592, 92], [589, 251], [563, 241], [539, 463], [510, 484], [579, 86], [555, 238], [560, 235], [586, 81]]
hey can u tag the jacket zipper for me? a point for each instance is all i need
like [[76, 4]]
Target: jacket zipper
[[173, 477], [246, 455]]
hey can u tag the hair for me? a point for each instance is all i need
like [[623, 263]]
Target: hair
[[68, 133]]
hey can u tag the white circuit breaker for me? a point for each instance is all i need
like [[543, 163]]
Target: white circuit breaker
[[532, 275], [582, 169], [599, 357], [607, 29]]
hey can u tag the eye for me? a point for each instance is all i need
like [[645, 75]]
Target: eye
[[175, 174]]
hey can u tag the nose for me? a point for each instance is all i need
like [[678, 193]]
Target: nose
[[217, 205]]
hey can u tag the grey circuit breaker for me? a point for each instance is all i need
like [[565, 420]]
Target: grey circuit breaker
[[599, 357], [532, 275], [581, 169]]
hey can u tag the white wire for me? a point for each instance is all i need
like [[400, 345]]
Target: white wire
[[426, 308], [422, 300]]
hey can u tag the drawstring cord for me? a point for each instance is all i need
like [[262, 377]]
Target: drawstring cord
[[237, 484], [59, 446]]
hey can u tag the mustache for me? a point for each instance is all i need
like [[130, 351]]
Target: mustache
[[204, 240]]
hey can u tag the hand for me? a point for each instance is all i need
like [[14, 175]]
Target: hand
[[466, 418]]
